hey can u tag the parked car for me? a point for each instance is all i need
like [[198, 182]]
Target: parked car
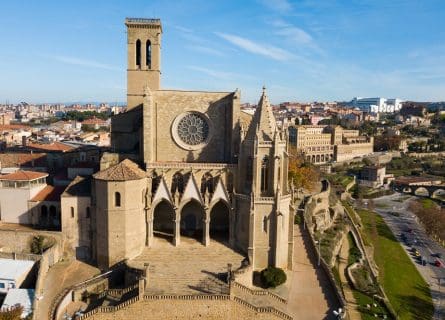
[[438, 263], [437, 255]]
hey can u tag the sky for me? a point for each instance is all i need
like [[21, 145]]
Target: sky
[[308, 50]]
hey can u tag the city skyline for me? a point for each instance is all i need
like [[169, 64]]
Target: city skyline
[[300, 50]]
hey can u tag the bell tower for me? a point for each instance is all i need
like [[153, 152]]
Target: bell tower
[[144, 58]]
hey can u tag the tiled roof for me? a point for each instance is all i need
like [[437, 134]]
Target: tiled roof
[[80, 186], [8, 160], [125, 170], [4, 127], [22, 175], [49, 193], [55, 146]]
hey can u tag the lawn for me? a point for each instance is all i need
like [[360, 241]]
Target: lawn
[[407, 291]]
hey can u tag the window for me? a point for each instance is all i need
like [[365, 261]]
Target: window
[[148, 54], [2, 285], [117, 199], [265, 224], [264, 173], [72, 212], [88, 213], [138, 53]]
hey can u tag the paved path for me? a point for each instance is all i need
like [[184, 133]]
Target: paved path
[[311, 296], [60, 276], [419, 239]]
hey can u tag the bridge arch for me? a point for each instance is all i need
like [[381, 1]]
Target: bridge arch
[[422, 192]]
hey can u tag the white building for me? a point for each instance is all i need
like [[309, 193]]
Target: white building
[[22, 297], [16, 189], [13, 273], [377, 105]]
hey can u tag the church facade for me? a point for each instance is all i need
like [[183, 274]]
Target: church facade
[[185, 164]]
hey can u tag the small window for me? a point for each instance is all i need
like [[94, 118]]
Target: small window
[[72, 212], [117, 199], [88, 213], [2, 285]]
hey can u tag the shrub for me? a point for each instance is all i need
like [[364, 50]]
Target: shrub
[[37, 244], [298, 219], [273, 277]]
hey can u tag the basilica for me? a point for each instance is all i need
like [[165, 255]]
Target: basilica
[[186, 165]]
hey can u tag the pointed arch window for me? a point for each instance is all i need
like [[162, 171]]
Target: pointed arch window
[[249, 172], [207, 183], [264, 174], [138, 53], [177, 183], [117, 199], [155, 180], [148, 54]]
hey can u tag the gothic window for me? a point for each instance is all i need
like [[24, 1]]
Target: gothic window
[[72, 212], [193, 129], [138, 53], [207, 183], [117, 199], [292, 135], [148, 54], [155, 180], [177, 183], [265, 224], [230, 182], [264, 173], [88, 214]]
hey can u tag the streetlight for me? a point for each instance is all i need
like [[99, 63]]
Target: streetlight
[[339, 313]]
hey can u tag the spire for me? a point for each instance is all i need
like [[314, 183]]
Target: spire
[[263, 120]]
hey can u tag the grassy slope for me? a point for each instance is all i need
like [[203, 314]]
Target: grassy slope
[[407, 291]]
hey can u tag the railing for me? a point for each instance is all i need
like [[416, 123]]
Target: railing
[[271, 310], [191, 165], [257, 292]]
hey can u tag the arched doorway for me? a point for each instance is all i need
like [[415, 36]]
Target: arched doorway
[[220, 222], [192, 215], [164, 220]]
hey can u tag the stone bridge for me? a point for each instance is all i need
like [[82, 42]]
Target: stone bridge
[[431, 191]]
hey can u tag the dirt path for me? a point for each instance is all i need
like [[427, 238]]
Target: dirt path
[[354, 314]]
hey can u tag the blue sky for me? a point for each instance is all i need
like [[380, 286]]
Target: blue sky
[[301, 50]]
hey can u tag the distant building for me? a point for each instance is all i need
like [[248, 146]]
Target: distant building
[[374, 176], [377, 105], [321, 144]]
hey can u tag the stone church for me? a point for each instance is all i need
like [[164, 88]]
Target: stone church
[[189, 164]]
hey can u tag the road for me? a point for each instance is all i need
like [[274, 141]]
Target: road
[[406, 222]]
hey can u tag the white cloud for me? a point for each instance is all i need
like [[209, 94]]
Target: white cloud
[[257, 48], [84, 62]]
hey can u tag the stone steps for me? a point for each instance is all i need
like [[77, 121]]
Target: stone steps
[[190, 268]]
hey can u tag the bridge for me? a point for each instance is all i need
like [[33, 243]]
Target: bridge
[[420, 186]]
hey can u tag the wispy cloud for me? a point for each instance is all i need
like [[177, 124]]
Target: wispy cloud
[[84, 63], [214, 73], [292, 32], [282, 6], [207, 50], [257, 48]]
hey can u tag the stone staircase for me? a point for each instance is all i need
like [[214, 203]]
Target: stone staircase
[[190, 268]]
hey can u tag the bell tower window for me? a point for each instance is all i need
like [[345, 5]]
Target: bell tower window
[[264, 173], [148, 54], [138, 53]]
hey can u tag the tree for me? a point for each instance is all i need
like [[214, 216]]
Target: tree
[[303, 174], [14, 313], [273, 277]]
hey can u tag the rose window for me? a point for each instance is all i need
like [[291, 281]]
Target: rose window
[[193, 129]]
